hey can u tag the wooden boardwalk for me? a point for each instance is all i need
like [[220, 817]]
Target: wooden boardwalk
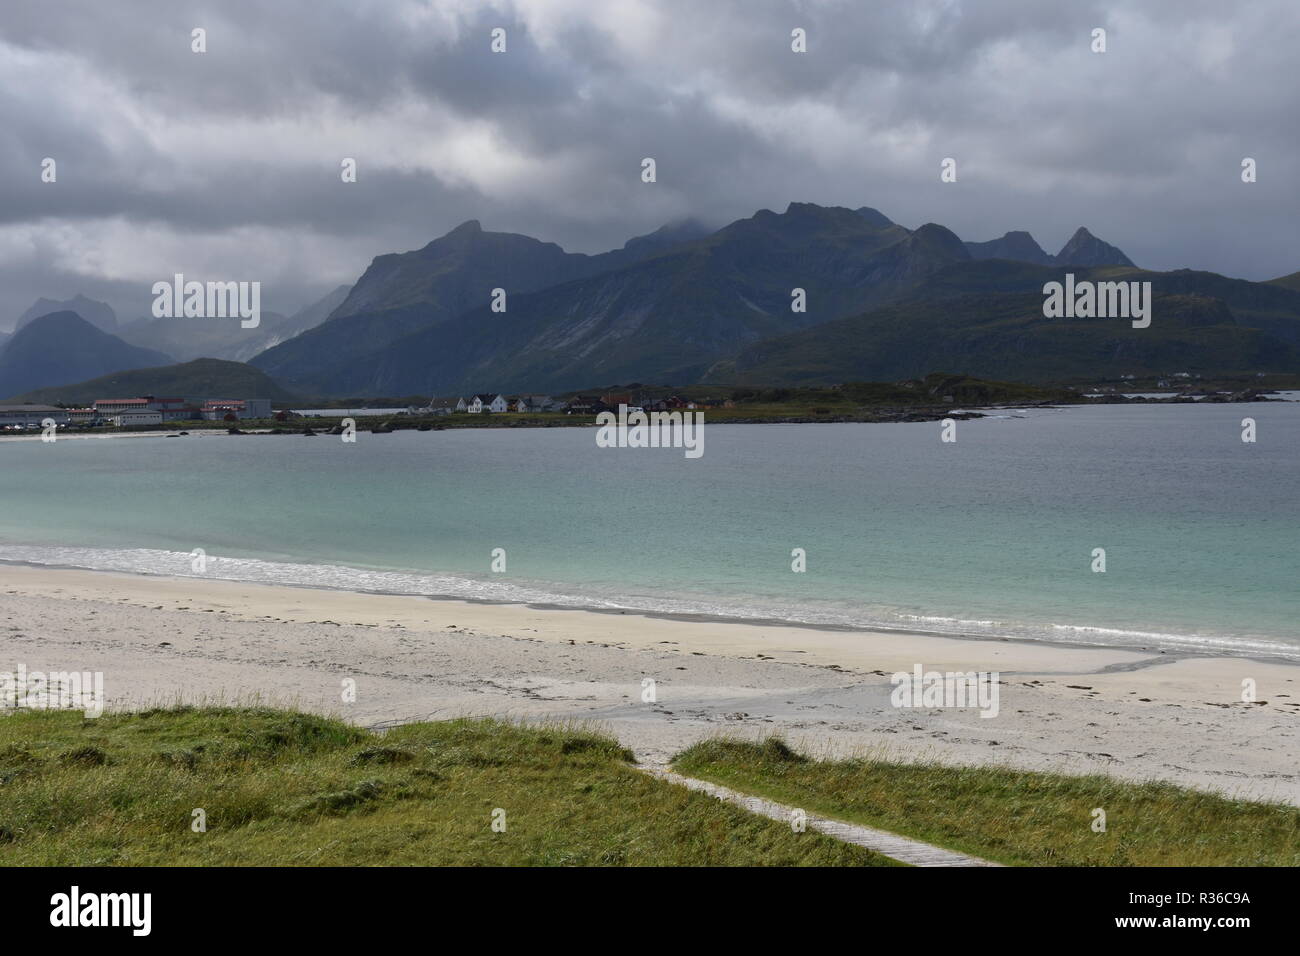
[[892, 845]]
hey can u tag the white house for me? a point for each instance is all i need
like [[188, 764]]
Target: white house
[[462, 405], [489, 403]]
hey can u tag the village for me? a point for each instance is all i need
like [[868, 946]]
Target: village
[[126, 412], [489, 403], [147, 410]]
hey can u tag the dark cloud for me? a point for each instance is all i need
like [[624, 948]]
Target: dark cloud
[[227, 163]]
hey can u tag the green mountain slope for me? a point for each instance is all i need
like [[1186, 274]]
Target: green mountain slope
[[1004, 335], [197, 380], [1291, 281]]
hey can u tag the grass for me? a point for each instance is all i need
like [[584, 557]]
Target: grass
[[1011, 816], [285, 788]]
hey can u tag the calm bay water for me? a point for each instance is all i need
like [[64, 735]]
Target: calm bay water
[[991, 535]]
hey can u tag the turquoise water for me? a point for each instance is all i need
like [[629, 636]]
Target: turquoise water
[[990, 535]]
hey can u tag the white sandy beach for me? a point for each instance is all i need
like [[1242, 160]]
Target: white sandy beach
[[1129, 713]]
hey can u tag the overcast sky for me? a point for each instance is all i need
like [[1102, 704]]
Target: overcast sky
[[225, 165]]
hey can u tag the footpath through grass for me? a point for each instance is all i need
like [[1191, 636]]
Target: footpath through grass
[[285, 788], [1011, 816]]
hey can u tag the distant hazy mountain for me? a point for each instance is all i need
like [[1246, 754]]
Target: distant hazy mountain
[[190, 338], [1085, 249], [197, 380], [64, 347], [98, 314], [665, 237], [1019, 246]]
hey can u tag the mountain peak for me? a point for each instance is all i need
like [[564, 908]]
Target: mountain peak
[[64, 319], [875, 217], [1016, 245], [98, 314], [466, 228], [941, 239], [63, 347], [680, 230], [1085, 249]]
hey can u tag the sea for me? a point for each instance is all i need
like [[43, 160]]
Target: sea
[[997, 534]]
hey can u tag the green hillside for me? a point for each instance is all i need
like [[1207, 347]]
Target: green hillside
[[1005, 336], [200, 379], [1287, 282]]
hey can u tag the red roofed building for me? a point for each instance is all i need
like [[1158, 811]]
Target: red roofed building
[[107, 406]]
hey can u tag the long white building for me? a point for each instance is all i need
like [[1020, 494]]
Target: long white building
[[31, 414]]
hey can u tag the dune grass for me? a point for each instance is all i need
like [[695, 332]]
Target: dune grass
[[285, 788], [1011, 816]]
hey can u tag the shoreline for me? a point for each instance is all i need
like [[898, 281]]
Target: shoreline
[[1171, 650], [1077, 709], [877, 415]]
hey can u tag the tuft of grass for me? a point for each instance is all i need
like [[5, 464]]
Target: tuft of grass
[[87, 756], [1011, 816], [282, 788]]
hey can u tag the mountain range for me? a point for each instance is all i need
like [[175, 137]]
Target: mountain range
[[46, 352], [812, 295], [882, 302], [98, 314]]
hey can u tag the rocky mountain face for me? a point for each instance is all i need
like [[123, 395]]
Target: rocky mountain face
[[662, 311], [402, 294], [1085, 249], [811, 294], [1018, 246]]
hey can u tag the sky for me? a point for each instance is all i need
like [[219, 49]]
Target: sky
[[226, 165]]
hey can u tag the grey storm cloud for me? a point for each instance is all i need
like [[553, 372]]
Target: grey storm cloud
[[226, 163]]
